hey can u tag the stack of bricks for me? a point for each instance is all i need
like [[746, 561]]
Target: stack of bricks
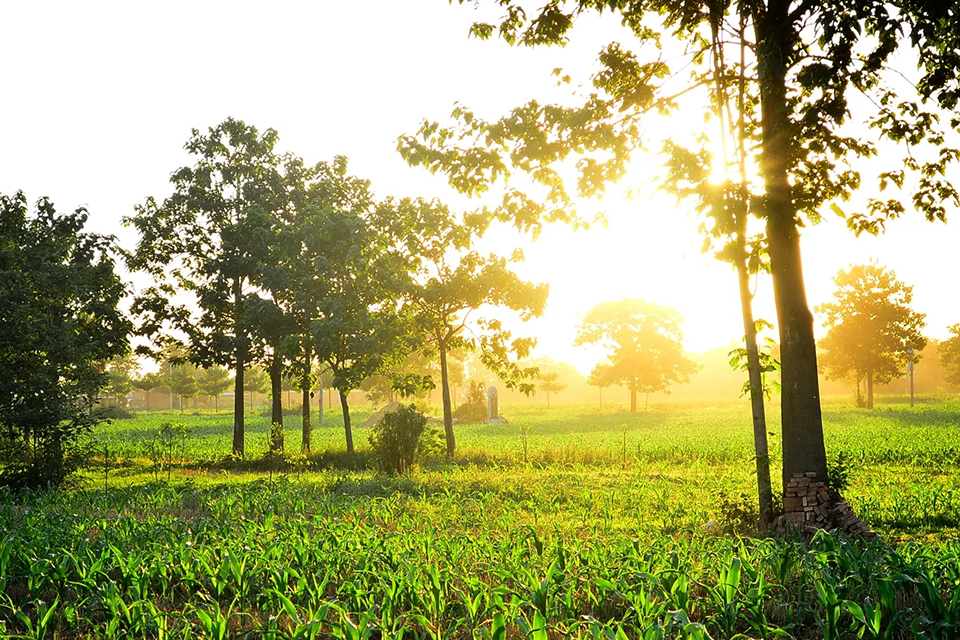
[[809, 505]]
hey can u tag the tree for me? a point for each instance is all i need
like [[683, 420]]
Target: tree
[[602, 376], [354, 316], [805, 59], [213, 382], [949, 353], [256, 381], [645, 343], [147, 383], [60, 296], [120, 372], [182, 380], [871, 328], [205, 241], [549, 383], [452, 280]]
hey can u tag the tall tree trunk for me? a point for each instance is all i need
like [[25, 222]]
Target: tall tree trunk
[[754, 372], [240, 357], [803, 448], [764, 488], [869, 389], [276, 393], [633, 400], [307, 427], [305, 390], [346, 421], [320, 398], [447, 411]]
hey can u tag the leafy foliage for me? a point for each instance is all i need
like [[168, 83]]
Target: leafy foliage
[[645, 344], [401, 437], [208, 240], [550, 383], [450, 280], [949, 353], [474, 405], [871, 327], [839, 471], [60, 321], [768, 363]]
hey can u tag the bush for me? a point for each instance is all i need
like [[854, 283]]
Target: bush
[[474, 407], [739, 513], [113, 412], [401, 438], [839, 470]]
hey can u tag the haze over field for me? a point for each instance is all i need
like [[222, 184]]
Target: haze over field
[[99, 120]]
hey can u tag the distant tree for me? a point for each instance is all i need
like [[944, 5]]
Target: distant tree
[[949, 353], [645, 344], [870, 328], [59, 321], [206, 240], [378, 389], [120, 374], [451, 281], [601, 376], [213, 382], [257, 381], [182, 380], [147, 383], [549, 383]]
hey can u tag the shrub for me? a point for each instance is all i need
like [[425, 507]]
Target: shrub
[[474, 407], [739, 513], [113, 412], [839, 469], [400, 438]]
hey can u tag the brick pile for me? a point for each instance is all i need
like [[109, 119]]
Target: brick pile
[[808, 505]]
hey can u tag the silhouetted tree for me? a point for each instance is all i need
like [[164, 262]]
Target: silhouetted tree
[[550, 383], [213, 382], [601, 377], [147, 383], [870, 328], [644, 340]]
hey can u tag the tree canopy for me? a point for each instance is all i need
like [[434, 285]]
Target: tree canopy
[[645, 344], [804, 63], [872, 331], [456, 293], [202, 246], [949, 354], [61, 321]]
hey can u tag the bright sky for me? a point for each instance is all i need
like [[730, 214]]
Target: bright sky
[[99, 99]]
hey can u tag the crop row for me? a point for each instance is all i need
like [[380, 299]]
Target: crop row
[[265, 561]]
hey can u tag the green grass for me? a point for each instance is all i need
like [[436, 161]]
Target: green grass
[[612, 528]]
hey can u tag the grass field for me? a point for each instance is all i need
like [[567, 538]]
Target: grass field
[[613, 527]]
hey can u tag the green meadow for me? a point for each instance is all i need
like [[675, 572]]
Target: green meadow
[[570, 522]]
